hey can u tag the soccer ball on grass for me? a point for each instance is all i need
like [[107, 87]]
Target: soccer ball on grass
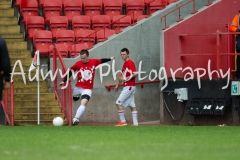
[[58, 121]]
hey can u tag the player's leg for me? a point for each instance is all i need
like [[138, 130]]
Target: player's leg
[[85, 97], [134, 115], [133, 108], [121, 103]]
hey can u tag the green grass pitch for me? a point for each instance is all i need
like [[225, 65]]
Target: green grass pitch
[[119, 143]]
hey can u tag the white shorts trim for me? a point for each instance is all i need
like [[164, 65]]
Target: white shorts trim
[[126, 98], [78, 91]]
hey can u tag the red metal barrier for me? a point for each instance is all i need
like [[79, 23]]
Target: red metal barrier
[[218, 53], [109, 86], [64, 96], [179, 15], [8, 108]]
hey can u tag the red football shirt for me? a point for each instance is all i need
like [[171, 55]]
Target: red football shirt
[[86, 72], [127, 69]]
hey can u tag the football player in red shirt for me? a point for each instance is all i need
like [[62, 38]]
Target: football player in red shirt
[[126, 98], [83, 88]]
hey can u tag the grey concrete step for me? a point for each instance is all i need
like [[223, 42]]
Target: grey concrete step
[[4, 4], [33, 116], [27, 96], [6, 20], [31, 109], [17, 45], [29, 89], [9, 29], [6, 12], [13, 37], [19, 53], [34, 102], [34, 122]]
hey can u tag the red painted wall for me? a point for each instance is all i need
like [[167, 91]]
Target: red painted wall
[[216, 17]]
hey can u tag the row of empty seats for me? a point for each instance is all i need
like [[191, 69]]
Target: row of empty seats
[[42, 39], [79, 21], [118, 23], [91, 8]]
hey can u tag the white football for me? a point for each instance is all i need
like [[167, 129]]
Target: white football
[[58, 121]]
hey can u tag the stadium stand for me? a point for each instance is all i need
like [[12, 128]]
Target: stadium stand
[[42, 39], [136, 7], [120, 22], [51, 8], [142, 17], [82, 22], [83, 17], [33, 23], [58, 23], [92, 7], [28, 9], [65, 37], [112, 8], [72, 8], [157, 5], [86, 37], [103, 34], [100, 21], [76, 48], [62, 48]]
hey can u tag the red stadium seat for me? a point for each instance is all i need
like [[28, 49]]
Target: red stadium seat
[[33, 24], [112, 8], [81, 23], [157, 5], [92, 7], [76, 49], [171, 1], [142, 17], [51, 8], [120, 22], [72, 8], [40, 3], [62, 48], [135, 7], [28, 8], [65, 37], [58, 23], [100, 21], [41, 41], [86, 37], [17, 3], [103, 34]]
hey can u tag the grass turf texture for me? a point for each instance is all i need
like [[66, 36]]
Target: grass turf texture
[[115, 143]]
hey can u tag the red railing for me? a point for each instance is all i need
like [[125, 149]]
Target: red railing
[[218, 53], [179, 15], [64, 96], [9, 114], [109, 86]]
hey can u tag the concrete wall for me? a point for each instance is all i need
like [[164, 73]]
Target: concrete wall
[[143, 41]]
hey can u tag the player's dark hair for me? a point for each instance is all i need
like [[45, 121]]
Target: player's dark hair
[[84, 51], [125, 50]]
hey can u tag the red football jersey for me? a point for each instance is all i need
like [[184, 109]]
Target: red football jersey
[[86, 72], [127, 69]]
